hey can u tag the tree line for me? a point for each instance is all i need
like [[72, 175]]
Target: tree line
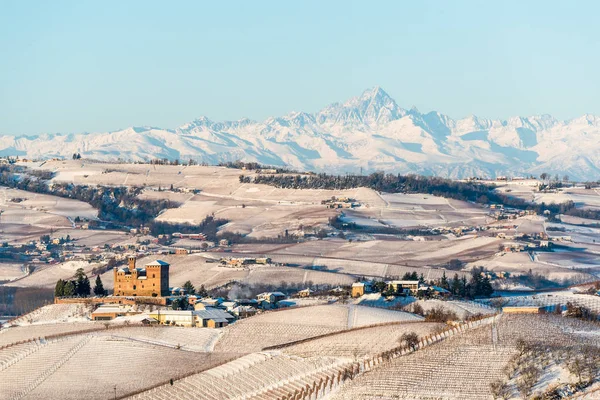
[[479, 285], [476, 192], [79, 286]]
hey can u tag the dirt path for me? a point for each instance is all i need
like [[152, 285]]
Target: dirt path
[[351, 315]]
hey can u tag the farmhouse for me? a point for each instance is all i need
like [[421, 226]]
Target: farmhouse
[[244, 311], [360, 288], [401, 286], [207, 318], [106, 312], [241, 262], [271, 297], [305, 292], [152, 280]]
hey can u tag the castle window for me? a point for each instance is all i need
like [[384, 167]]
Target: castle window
[[153, 275], [134, 287]]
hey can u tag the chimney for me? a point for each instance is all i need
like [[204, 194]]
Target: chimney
[[131, 262]]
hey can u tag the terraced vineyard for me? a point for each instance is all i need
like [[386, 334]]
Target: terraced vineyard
[[255, 376], [359, 343], [465, 366]]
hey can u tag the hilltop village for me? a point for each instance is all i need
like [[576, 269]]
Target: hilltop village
[[242, 281]]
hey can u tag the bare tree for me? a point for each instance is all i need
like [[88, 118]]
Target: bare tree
[[410, 339], [529, 376], [500, 390]]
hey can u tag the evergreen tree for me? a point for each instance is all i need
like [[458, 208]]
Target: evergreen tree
[[99, 287], [202, 292], [379, 286], [82, 283], [85, 289], [444, 282], [180, 304], [455, 285], [486, 287], [189, 288], [69, 289], [59, 289], [463, 286], [411, 276]]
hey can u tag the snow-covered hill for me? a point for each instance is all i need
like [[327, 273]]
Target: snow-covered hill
[[369, 131]]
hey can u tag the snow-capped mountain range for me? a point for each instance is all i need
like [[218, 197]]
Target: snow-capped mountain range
[[369, 131]]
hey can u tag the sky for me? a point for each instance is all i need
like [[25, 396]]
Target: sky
[[92, 66]]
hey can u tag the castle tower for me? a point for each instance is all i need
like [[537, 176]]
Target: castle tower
[[131, 262], [157, 273]]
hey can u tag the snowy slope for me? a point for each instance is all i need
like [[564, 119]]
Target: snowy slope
[[369, 131]]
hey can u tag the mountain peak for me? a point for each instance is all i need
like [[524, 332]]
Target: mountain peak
[[375, 93], [374, 106]]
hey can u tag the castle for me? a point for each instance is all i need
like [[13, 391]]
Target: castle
[[152, 280]]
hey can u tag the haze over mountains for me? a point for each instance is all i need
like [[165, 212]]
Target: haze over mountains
[[369, 131]]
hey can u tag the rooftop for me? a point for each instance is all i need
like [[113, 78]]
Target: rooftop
[[158, 263]]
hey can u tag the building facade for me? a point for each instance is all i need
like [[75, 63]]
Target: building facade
[[151, 280]]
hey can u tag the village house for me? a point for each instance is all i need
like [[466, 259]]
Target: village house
[[206, 318], [177, 291], [359, 289], [305, 293], [228, 305], [107, 312], [436, 290], [402, 286], [210, 302], [244, 311], [241, 262], [271, 297]]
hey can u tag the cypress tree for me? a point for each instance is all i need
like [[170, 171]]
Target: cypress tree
[[189, 288], [99, 287], [444, 282], [69, 289], [85, 288], [59, 289], [82, 283]]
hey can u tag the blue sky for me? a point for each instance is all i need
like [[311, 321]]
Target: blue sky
[[73, 66]]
